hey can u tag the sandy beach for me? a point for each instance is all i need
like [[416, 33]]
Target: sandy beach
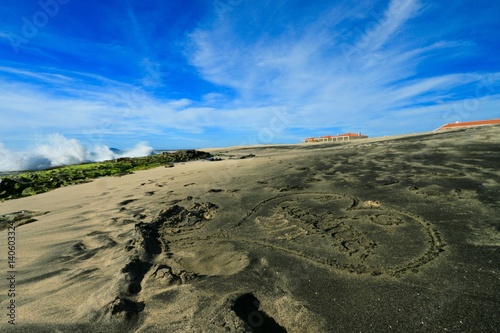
[[378, 235]]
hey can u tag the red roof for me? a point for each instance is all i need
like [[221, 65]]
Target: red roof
[[471, 123]]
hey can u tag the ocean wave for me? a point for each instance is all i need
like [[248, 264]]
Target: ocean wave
[[57, 150]]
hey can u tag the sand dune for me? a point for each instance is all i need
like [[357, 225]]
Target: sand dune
[[395, 234]]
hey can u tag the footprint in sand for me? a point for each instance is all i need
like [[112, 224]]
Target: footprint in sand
[[126, 202]]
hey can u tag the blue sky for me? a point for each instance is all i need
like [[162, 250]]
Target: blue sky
[[229, 72]]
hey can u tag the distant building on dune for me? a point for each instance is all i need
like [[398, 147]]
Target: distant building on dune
[[467, 124], [336, 138]]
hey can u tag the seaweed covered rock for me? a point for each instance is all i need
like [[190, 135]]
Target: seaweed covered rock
[[9, 186], [188, 155]]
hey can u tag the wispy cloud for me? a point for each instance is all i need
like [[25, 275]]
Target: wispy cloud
[[331, 66], [326, 79], [393, 20], [109, 109]]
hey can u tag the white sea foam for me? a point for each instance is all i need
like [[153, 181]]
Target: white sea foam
[[57, 150]]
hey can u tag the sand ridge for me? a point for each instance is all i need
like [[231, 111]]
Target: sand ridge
[[396, 234]]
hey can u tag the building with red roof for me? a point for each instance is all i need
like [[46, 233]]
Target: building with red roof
[[468, 124], [336, 138]]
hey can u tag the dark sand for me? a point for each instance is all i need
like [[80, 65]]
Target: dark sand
[[382, 235]]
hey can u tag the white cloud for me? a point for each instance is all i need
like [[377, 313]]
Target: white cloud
[[397, 13], [324, 79], [328, 69], [113, 109]]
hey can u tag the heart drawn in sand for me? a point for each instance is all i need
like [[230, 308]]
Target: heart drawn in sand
[[340, 231]]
